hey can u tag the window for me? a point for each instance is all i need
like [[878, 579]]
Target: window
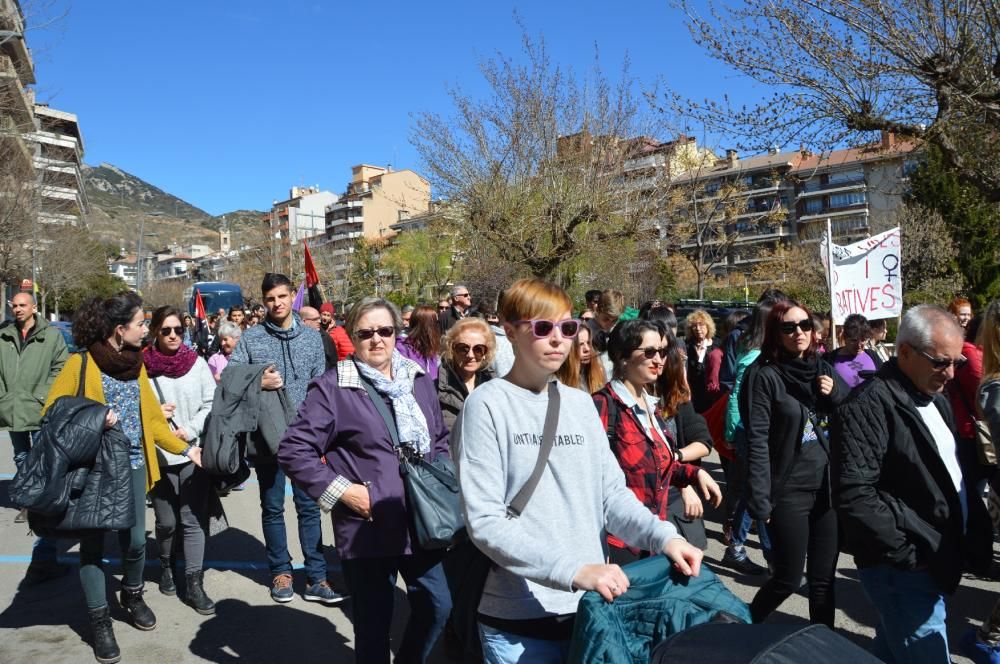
[[814, 206], [848, 199], [846, 177]]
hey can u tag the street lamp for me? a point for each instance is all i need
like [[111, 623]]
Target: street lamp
[[138, 257]]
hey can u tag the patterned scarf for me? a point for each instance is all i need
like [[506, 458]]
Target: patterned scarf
[[410, 421]]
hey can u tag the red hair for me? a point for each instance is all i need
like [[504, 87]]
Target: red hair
[[772, 349]]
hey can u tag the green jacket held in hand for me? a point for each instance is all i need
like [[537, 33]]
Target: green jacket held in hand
[[27, 368]]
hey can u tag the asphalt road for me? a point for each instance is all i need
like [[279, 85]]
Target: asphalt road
[[48, 623]]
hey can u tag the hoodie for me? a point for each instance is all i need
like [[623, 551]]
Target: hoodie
[[296, 352]]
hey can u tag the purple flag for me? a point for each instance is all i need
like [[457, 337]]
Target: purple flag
[[300, 297]]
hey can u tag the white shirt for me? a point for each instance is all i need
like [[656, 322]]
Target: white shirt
[[944, 439]]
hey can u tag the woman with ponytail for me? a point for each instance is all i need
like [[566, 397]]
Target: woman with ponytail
[[185, 387], [111, 330]]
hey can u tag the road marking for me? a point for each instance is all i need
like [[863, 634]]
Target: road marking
[[74, 559]]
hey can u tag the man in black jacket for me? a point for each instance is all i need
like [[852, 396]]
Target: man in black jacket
[[910, 519]]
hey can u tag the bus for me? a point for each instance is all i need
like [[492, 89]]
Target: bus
[[215, 295]]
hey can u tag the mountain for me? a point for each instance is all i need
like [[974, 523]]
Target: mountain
[[111, 189], [123, 204]]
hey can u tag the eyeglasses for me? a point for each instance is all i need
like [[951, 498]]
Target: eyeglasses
[[309, 320], [806, 325], [942, 363], [461, 295], [166, 331], [650, 352], [385, 332], [462, 350], [542, 328], [443, 307]]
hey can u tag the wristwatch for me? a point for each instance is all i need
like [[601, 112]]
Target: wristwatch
[[680, 455]]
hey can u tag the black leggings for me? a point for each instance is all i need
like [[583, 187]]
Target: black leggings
[[803, 530]]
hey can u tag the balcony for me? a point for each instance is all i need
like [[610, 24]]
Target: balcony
[[15, 146], [58, 218], [57, 146], [836, 188], [642, 162], [16, 48], [61, 193], [334, 223], [764, 233], [833, 213], [18, 100]]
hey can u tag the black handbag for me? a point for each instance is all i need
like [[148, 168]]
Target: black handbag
[[431, 488]]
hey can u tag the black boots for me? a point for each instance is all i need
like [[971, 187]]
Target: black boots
[[167, 586], [142, 615], [106, 648], [196, 596]]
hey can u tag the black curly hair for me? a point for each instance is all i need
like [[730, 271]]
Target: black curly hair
[[98, 317]]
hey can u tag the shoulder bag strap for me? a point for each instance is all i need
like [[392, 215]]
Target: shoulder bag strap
[[83, 374], [383, 410], [548, 439], [159, 394]]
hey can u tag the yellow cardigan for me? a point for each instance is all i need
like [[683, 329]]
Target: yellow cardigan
[[155, 430]]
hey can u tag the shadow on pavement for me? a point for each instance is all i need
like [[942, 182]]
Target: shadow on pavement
[[240, 632]]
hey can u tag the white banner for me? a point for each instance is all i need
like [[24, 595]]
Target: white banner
[[867, 277]]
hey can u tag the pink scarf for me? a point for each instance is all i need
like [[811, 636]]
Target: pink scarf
[[171, 366]]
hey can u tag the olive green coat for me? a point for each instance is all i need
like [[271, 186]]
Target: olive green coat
[[27, 369]]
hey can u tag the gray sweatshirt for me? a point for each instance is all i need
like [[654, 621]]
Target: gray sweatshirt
[[192, 393], [581, 497]]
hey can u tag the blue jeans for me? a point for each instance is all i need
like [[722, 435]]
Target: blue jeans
[[372, 583], [44, 549], [911, 610], [506, 648], [741, 517], [271, 480]]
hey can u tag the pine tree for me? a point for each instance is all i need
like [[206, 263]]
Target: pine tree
[[974, 224]]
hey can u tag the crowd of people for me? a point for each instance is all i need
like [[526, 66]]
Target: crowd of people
[[827, 442]]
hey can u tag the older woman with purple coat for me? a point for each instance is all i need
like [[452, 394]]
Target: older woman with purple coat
[[360, 484]]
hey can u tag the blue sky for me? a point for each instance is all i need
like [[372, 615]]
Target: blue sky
[[228, 103]]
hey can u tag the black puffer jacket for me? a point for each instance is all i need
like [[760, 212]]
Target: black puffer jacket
[[78, 476], [896, 501]]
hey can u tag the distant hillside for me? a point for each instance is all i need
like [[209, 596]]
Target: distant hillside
[[122, 203], [113, 189]]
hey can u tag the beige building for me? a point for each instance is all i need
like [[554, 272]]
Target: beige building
[[790, 195], [17, 102], [58, 159], [376, 198]]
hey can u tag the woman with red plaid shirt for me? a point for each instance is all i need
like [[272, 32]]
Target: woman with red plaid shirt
[[646, 448]]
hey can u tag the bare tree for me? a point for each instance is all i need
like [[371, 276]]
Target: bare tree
[[538, 169], [712, 214], [68, 257], [929, 266], [842, 70]]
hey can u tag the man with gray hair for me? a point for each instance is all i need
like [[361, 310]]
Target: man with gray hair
[[908, 515], [461, 305]]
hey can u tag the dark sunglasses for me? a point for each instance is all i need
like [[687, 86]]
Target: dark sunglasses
[[444, 308], [806, 325], [650, 352], [165, 331], [385, 332], [462, 350], [542, 328], [942, 363]]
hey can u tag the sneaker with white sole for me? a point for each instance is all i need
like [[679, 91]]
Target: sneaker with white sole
[[322, 592], [281, 589]]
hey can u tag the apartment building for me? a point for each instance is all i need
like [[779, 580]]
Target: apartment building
[[790, 195], [851, 188], [58, 160], [375, 199], [300, 217], [17, 103]]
